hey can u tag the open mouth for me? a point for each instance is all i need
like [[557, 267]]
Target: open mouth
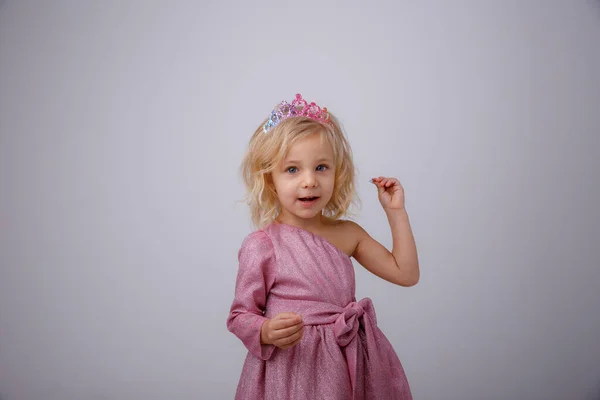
[[308, 199]]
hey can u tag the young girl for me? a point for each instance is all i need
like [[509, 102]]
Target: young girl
[[295, 308]]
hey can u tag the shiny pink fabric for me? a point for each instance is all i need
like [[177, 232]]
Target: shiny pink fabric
[[342, 354]]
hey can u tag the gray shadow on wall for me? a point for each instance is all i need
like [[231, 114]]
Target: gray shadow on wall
[[594, 393], [595, 4]]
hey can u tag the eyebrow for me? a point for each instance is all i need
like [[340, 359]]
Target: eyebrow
[[322, 159]]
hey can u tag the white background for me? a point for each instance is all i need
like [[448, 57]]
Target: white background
[[122, 126]]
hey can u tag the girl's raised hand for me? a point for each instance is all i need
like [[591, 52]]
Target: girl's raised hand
[[284, 330], [391, 193]]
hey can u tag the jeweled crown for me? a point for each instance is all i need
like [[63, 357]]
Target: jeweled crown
[[298, 108]]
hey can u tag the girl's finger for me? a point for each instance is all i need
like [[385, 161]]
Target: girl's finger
[[285, 315], [285, 324], [293, 344], [288, 317], [285, 341], [282, 333]]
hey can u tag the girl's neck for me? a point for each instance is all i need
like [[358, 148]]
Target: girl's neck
[[310, 224]]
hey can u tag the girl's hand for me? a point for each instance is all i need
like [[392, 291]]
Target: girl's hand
[[284, 330], [391, 193]]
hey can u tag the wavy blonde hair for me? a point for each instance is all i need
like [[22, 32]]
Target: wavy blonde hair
[[265, 152]]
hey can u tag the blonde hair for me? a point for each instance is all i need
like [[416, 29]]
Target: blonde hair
[[265, 152]]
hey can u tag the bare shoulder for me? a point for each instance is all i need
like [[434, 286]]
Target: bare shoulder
[[350, 227], [346, 235]]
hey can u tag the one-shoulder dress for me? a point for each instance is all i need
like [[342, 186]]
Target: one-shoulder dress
[[342, 354]]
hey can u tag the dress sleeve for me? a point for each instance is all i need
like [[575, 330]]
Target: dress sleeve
[[256, 274]]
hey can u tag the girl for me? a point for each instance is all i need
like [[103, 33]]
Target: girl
[[295, 308]]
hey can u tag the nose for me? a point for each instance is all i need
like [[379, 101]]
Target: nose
[[309, 180]]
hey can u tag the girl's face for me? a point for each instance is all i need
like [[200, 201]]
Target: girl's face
[[304, 179]]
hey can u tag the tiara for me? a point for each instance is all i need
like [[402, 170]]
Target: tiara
[[298, 108]]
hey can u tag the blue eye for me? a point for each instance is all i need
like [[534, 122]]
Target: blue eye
[[292, 170], [322, 168]]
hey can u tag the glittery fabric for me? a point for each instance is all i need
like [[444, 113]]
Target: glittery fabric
[[342, 354]]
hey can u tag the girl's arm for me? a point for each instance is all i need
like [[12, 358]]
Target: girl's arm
[[401, 265], [255, 277]]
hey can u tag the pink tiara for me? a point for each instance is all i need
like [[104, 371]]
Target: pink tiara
[[298, 108]]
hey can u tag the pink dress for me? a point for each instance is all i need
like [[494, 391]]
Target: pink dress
[[342, 355]]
